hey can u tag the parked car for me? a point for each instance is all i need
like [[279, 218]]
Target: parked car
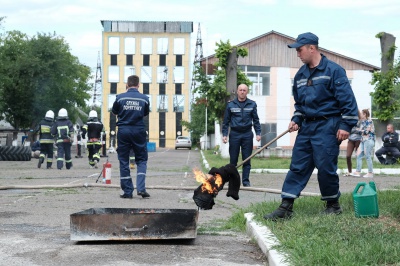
[[183, 142]]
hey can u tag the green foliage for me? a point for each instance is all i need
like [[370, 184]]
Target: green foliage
[[38, 74], [197, 124], [386, 85], [216, 91]]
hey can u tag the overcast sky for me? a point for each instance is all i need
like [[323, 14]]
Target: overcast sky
[[347, 27]]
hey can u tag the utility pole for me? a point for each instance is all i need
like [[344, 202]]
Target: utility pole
[[97, 82], [198, 55]]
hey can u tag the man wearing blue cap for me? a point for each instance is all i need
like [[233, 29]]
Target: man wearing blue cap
[[325, 112]]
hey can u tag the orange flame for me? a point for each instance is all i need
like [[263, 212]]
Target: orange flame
[[211, 183]]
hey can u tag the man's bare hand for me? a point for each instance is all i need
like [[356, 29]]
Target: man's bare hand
[[342, 135], [293, 126], [225, 139]]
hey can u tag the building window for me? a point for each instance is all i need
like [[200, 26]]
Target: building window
[[162, 74], [179, 46], [147, 46], [179, 103], [161, 88], [146, 88], [178, 60], [113, 45], [113, 59], [162, 46], [113, 74], [129, 59], [130, 45], [178, 88], [163, 60], [129, 71], [179, 74], [162, 103], [146, 60], [113, 88], [260, 77], [145, 74]]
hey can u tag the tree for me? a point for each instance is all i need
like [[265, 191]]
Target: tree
[[39, 74], [216, 91], [385, 103], [212, 93], [197, 124]]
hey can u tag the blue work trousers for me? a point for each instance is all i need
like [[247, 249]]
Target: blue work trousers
[[241, 141], [64, 150], [94, 152], [46, 149], [316, 146], [130, 137]]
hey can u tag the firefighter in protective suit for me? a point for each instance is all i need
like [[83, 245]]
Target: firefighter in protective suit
[[94, 128], [46, 139], [63, 130]]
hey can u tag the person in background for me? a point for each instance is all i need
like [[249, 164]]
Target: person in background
[[63, 130], [325, 112], [94, 129], [131, 107], [241, 116], [79, 144], [132, 159], [367, 131], [390, 141], [46, 139], [352, 145]]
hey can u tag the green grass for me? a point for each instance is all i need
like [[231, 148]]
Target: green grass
[[274, 162], [310, 238]]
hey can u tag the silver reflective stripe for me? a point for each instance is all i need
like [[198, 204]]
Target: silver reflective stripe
[[289, 195], [322, 77], [132, 99], [350, 117], [141, 173], [301, 82], [330, 197], [297, 114], [125, 177]]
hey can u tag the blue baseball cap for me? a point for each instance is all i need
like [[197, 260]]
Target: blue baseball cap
[[303, 39]]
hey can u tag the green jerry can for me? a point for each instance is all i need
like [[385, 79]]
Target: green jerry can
[[365, 200]]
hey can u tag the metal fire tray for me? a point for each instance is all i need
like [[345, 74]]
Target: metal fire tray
[[133, 224]]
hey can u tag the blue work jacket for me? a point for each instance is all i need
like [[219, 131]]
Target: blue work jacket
[[323, 92], [130, 107], [241, 119]]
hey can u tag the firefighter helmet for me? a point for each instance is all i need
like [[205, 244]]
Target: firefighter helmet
[[62, 113], [49, 114], [93, 114]]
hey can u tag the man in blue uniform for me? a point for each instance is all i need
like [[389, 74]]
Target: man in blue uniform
[[325, 112], [241, 115], [131, 107]]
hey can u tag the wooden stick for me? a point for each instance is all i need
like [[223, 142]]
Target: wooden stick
[[262, 148]]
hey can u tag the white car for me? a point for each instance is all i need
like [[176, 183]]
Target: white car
[[183, 142]]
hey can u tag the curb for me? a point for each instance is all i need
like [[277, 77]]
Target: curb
[[266, 240], [377, 171]]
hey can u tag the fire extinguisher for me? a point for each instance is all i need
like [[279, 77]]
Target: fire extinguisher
[[107, 172]]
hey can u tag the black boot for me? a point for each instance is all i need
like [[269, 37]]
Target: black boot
[[41, 160], [284, 211], [332, 207]]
